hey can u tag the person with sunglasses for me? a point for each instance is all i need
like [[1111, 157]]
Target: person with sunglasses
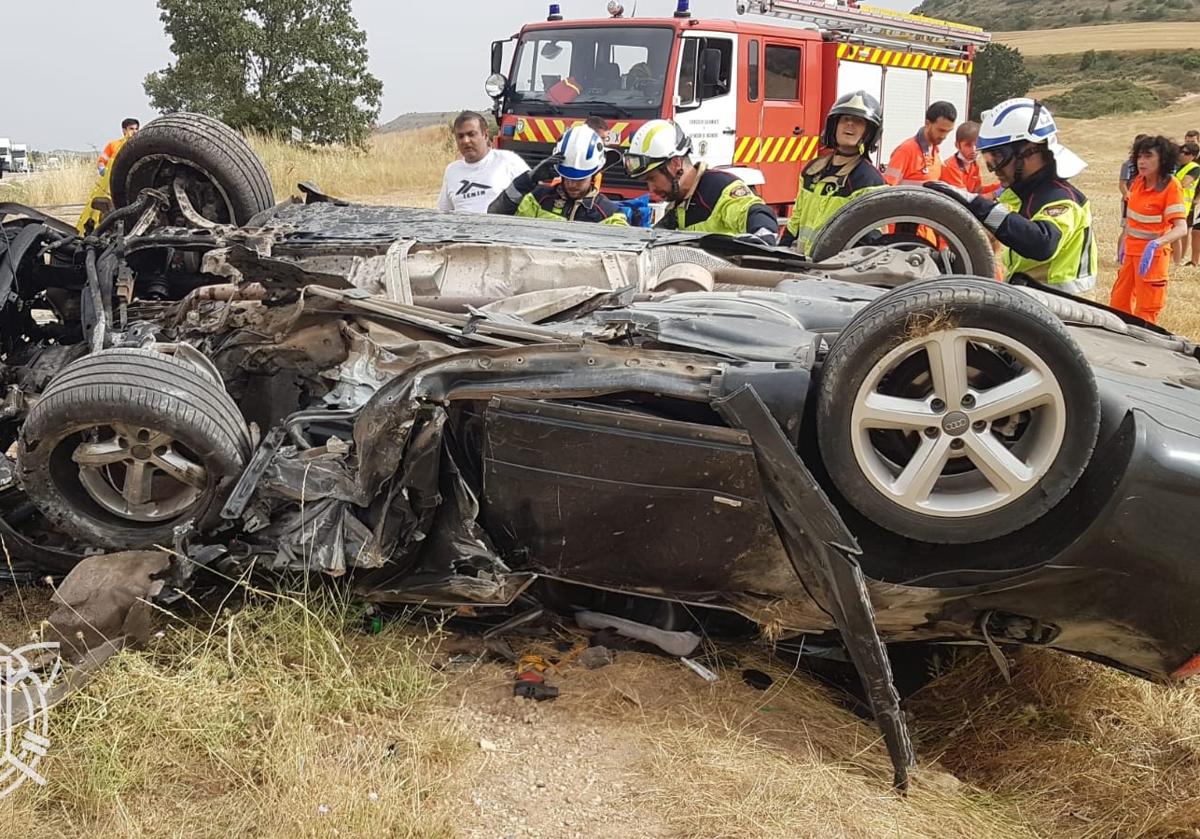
[[1043, 221], [699, 199]]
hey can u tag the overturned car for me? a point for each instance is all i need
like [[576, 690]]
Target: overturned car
[[489, 411]]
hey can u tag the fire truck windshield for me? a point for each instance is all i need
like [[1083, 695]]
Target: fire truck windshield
[[583, 71]]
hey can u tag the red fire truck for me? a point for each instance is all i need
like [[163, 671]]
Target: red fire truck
[[752, 92]]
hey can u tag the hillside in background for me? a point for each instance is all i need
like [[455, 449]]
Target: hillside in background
[[416, 119], [1037, 14]]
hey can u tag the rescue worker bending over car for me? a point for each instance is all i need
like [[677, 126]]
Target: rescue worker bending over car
[[578, 159], [840, 174], [700, 200], [1043, 221]]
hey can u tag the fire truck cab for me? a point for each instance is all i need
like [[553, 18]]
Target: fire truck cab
[[752, 92]]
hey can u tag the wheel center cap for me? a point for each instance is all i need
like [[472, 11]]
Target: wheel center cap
[[140, 452], [956, 423]]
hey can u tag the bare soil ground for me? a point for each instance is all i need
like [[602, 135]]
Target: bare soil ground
[[1173, 35]]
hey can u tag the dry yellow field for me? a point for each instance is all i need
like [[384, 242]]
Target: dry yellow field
[[1175, 35]]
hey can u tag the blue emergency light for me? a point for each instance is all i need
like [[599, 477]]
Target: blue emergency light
[[555, 12], [683, 8]]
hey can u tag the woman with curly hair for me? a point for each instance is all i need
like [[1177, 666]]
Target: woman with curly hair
[[1157, 216]]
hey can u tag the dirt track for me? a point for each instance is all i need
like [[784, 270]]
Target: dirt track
[[1176, 35]]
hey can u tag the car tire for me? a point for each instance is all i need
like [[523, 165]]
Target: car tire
[[225, 179], [102, 451], [1070, 310], [970, 248], [967, 455]]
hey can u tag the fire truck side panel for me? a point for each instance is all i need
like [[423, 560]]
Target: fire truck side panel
[[905, 94], [851, 76], [709, 117], [955, 89]]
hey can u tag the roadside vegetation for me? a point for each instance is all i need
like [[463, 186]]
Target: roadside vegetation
[[396, 167], [272, 718]]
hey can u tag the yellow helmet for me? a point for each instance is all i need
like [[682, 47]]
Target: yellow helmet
[[654, 144]]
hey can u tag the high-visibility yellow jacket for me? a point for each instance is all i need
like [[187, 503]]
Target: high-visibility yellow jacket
[[826, 187]]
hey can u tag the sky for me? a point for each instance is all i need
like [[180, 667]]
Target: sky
[[72, 73]]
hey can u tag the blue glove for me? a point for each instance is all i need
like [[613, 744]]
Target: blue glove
[[1121, 249], [1147, 258]]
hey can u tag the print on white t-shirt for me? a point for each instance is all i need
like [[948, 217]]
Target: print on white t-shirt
[[471, 187]]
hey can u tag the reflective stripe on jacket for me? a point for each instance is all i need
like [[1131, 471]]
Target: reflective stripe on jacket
[[914, 161], [1045, 226], [1151, 211], [823, 190], [720, 203], [551, 202]]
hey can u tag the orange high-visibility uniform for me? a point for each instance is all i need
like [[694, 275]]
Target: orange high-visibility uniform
[[110, 151], [965, 175], [914, 161], [1152, 210]]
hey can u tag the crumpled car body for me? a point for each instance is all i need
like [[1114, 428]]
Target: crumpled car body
[[456, 412]]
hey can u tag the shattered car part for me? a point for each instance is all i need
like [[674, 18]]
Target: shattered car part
[[475, 413]]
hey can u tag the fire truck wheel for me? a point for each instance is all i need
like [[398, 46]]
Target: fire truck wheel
[[207, 169], [894, 216]]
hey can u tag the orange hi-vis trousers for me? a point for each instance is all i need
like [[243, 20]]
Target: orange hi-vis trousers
[[1142, 297]]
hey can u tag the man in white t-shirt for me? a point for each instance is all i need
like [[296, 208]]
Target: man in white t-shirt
[[470, 184]]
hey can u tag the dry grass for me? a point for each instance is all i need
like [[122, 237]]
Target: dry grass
[[400, 167], [1172, 35], [794, 762], [273, 720], [405, 165], [1088, 751], [52, 188]]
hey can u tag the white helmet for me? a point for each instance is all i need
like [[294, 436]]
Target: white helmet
[[1026, 120], [654, 144], [582, 153]]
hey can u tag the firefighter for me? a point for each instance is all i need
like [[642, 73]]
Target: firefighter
[[918, 160], [842, 172], [1043, 221], [705, 201], [1157, 216], [578, 159]]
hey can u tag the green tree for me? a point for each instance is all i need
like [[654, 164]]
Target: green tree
[[269, 66], [1000, 74]]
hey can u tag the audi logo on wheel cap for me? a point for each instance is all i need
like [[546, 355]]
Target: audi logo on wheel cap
[[956, 423]]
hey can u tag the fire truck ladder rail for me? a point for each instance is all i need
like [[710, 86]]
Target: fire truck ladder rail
[[868, 22]]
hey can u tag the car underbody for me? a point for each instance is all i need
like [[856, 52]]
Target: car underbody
[[455, 411]]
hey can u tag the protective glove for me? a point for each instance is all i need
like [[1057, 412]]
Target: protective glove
[[1148, 257], [1121, 249], [788, 239], [761, 236], [545, 171], [950, 191]]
